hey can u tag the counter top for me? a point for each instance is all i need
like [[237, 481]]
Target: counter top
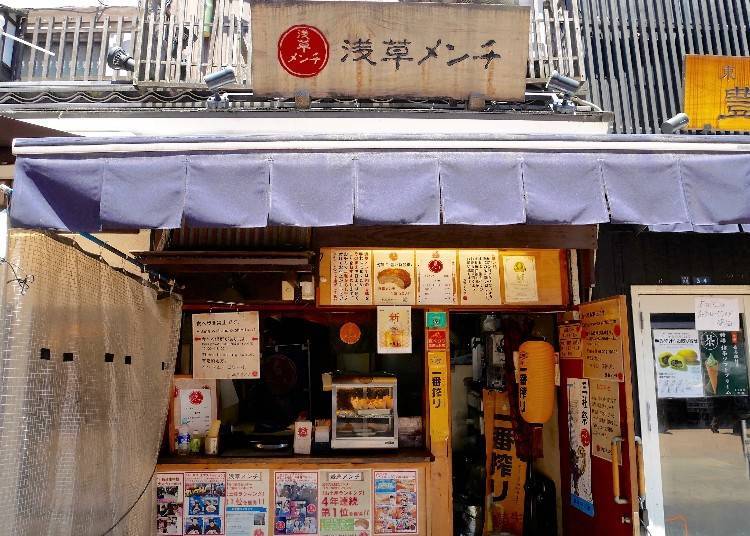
[[358, 457]]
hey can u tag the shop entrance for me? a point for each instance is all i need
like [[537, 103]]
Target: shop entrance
[[692, 362]]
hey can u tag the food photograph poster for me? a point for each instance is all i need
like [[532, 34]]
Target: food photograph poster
[[394, 277], [678, 363], [394, 329], [296, 500], [346, 503], [396, 502]]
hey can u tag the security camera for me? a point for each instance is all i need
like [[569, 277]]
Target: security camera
[[118, 59], [673, 124], [563, 84], [221, 78]]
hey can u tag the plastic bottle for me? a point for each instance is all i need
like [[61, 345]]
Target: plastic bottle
[[183, 440]]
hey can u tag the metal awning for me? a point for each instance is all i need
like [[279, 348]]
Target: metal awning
[[670, 182]]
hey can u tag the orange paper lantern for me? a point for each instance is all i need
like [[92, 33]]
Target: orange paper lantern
[[536, 381]]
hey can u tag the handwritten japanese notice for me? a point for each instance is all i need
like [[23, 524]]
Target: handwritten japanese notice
[[351, 277], [519, 274], [247, 502], [394, 329], [605, 417], [395, 283], [602, 340], [396, 500], [506, 473], [346, 503], [226, 345], [579, 434], [436, 276], [569, 336], [437, 364], [365, 49], [717, 314], [480, 276], [678, 363]]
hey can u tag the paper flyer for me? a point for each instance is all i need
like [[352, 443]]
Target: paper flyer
[[247, 503], [579, 430], [678, 363], [519, 274], [195, 409], [296, 500], [346, 503], [169, 498], [394, 329], [205, 500], [226, 345], [351, 277], [605, 417], [396, 502], [479, 272], [436, 276], [394, 282], [717, 314], [570, 341]]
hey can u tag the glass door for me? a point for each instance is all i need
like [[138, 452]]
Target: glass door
[[692, 370]]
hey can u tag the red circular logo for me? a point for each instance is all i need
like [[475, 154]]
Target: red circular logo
[[311, 509], [435, 266], [303, 51], [196, 397], [585, 438]]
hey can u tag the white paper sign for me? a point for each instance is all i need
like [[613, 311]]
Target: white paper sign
[[351, 277], [436, 272], [226, 345], [605, 417], [678, 363], [519, 273], [247, 502], [394, 277], [394, 329], [195, 409], [480, 276], [717, 314]]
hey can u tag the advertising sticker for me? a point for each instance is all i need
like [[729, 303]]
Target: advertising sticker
[[396, 502]]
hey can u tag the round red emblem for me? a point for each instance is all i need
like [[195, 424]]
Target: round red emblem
[[196, 397], [303, 51], [435, 266], [616, 330], [585, 438], [311, 509], [258, 532]]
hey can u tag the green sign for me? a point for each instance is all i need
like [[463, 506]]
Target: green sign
[[436, 320], [724, 363], [329, 524]]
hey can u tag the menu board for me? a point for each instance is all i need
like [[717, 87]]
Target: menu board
[[396, 502], [519, 274], [723, 358], [678, 363], [205, 500], [579, 435], [247, 503], [480, 276], [601, 336], [436, 276], [569, 336], [346, 503], [351, 277], [296, 500], [394, 277], [169, 498], [394, 329], [226, 345], [605, 417]]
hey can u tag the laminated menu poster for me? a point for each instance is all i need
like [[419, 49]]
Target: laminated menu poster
[[394, 277], [678, 363], [247, 503], [579, 434], [226, 346], [346, 503], [296, 499], [351, 277], [479, 272], [169, 497], [723, 358], [394, 329], [519, 273], [436, 276], [204, 503], [396, 502]]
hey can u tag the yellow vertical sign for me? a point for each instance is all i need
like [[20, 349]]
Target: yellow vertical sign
[[437, 363], [717, 92]]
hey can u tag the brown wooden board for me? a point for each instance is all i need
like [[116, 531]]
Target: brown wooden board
[[368, 49]]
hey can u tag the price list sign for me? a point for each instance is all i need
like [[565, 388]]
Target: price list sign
[[436, 271], [226, 346]]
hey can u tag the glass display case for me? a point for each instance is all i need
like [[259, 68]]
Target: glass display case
[[364, 413]]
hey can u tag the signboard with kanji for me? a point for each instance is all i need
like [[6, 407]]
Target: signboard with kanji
[[717, 92], [369, 49]]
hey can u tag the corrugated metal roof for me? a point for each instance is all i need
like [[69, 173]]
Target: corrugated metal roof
[[292, 238]]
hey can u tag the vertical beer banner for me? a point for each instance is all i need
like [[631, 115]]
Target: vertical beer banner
[[437, 371], [506, 473]]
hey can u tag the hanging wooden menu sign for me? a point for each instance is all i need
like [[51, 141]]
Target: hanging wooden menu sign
[[601, 339], [480, 277], [436, 274], [351, 277], [394, 277]]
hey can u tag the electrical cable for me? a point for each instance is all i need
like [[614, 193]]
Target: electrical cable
[[137, 500]]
